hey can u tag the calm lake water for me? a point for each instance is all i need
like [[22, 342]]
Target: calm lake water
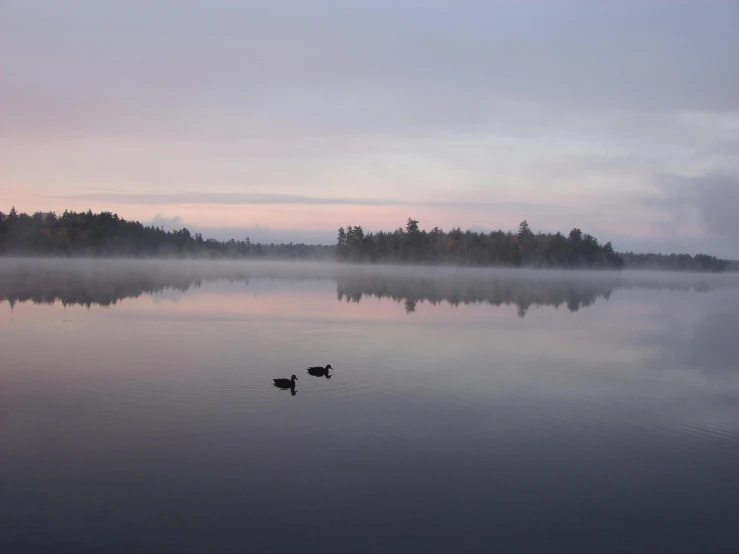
[[468, 410]]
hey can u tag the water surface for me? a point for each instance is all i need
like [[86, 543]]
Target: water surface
[[468, 410]]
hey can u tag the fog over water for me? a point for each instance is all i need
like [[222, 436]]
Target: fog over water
[[84, 281], [467, 410]]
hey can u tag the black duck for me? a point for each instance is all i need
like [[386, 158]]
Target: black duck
[[286, 383], [319, 371]]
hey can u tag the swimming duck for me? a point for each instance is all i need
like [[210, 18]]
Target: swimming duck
[[319, 371], [286, 383]]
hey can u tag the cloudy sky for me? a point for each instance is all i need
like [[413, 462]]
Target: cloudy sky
[[284, 119]]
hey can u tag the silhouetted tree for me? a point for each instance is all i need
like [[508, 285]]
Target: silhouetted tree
[[106, 234], [457, 247]]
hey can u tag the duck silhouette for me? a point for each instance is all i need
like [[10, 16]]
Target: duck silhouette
[[319, 371], [286, 383]]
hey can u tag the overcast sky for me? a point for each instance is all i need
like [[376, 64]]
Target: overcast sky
[[284, 119]]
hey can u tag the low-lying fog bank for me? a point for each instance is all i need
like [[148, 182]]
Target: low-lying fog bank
[[105, 282]]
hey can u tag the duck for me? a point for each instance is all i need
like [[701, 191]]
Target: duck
[[318, 371], [286, 383]]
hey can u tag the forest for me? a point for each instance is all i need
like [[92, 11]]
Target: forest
[[678, 262], [105, 234], [469, 248]]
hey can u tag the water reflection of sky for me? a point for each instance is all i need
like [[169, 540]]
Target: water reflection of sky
[[453, 428]]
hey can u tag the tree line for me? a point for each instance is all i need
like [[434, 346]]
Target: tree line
[[106, 234], [525, 248], [678, 262]]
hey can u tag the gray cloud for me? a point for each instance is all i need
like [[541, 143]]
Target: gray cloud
[[716, 198], [256, 68], [580, 96], [711, 200]]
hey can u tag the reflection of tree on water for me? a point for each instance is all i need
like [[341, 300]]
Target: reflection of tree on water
[[105, 283], [71, 289], [497, 291]]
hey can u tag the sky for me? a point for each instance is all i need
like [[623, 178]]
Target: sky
[[285, 119]]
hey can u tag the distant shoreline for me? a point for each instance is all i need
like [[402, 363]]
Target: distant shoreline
[[106, 235], [327, 263]]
